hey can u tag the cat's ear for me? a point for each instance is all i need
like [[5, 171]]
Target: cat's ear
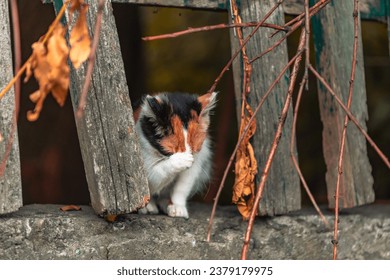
[[153, 104], [208, 102], [157, 108]]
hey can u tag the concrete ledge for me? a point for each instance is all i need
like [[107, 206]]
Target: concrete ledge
[[44, 232]]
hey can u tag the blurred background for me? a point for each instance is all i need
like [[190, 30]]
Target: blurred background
[[52, 168]]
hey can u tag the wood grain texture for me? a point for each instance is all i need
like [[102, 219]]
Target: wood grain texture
[[10, 182], [202, 4], [282, 190], [369, 9], [333, 34], [109, 144]]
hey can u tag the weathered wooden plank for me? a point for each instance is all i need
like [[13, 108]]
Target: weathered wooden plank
[[369, 9], [193, 4], [282, 190], [109, 145], [202, 4], [333, 34], [10, 182]]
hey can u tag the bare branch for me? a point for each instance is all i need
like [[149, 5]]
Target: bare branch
[[351, 117], [274, 146], [246, 90], [245, 131], [344, 133], [91, 61], [48, 34], [243, 44], [292, 152], [191, 30], [296, 25]]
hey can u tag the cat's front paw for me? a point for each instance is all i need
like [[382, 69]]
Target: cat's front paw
[[181, 161], [177, 211], [150, 208]]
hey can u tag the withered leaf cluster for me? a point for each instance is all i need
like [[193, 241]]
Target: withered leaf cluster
[[49, 60], [245, 169]]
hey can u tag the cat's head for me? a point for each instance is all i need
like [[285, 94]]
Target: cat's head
[[176, 122]]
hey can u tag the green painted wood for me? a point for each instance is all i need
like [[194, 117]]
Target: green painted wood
[[333, 37], [369, 9], [282, 190], [109, 145], [388, 21], [10, 182]]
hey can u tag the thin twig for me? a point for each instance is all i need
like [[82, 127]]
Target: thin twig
[[91, 60], [17, 50], [292, 29], [314, 9], [241, 138], [292, 152], [307, 30], [48, 34], [304, 83], [17, 63], [191, 30], [274, 146], [344, 133], [242, 45], [237, 52], [351, 116]]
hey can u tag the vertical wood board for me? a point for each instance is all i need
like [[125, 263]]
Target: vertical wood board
[[109, 144], [369, 9], [10, 182], [282, 190], [334, 34]]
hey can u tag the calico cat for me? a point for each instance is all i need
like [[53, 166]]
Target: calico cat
[[175, 145]]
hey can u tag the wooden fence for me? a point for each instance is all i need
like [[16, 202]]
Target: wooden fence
[[116, 179]]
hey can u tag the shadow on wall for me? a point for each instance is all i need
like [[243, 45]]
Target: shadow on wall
[[52, 169]]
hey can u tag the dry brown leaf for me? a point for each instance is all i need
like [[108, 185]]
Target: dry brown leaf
[[75, 5], [49, 65], [79, 39], [40, 68], [35, 96], [57, 57], [28, 71], [70, 208], [245, 170], [111, 218]]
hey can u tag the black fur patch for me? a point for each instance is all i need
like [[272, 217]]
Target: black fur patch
[[149, 126], [179, 104], [182, 104], [162, 111]]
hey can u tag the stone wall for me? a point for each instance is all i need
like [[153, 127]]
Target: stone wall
[[45, 232]]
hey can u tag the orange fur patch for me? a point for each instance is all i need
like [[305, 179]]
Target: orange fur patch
[[174, 143], [204, 99], [136, 114], [196, 133]]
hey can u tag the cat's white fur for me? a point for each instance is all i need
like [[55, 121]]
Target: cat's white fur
[[175, 178]]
